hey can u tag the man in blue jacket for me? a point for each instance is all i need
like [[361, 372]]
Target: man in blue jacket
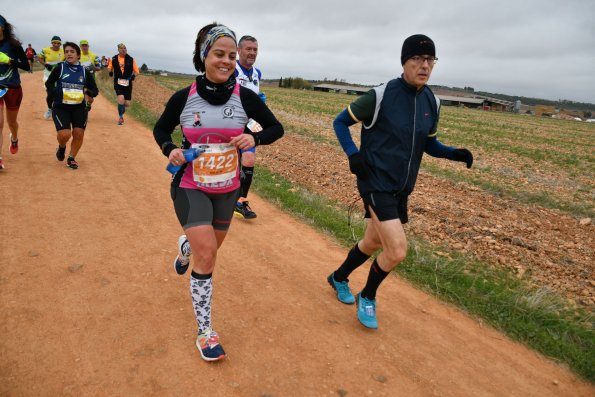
[[399, 123]]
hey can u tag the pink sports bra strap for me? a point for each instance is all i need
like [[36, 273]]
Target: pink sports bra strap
[[192, 89]]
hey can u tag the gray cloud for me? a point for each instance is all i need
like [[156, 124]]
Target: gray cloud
[[532, 48]]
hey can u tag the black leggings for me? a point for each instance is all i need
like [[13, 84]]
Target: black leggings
[[195, 207]]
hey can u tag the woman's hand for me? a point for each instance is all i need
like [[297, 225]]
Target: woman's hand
[[243, 142], [176, 157]]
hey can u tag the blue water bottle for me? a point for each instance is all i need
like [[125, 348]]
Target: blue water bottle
[[189, 154], [262, 97]]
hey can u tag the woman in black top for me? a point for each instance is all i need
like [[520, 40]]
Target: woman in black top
[[67, 85], [212, 113]]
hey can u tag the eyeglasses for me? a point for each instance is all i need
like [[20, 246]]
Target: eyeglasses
[[419, 60]]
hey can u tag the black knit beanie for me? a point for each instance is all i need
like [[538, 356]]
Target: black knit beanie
[[418, 44]]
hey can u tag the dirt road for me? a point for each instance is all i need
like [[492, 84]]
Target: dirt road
[[90, 304]]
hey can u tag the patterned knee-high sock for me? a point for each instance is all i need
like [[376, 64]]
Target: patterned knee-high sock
[[121, 110], [201, 290]]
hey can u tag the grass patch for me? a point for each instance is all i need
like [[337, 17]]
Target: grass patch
[[135, 110], [536, 317], [312, 208], [542, 198]]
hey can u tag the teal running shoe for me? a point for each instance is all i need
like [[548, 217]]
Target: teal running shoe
[[366, 311], [343, 292]]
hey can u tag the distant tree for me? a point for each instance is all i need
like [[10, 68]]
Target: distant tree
[[588, 115], [295, 82], [300, 83], [144, 68]]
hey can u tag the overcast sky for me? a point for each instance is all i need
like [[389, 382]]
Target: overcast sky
[[534, 48]]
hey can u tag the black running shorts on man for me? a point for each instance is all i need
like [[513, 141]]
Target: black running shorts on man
[[125, 91], [386, 206]]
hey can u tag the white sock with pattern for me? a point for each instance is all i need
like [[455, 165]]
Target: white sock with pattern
[[201, 290]]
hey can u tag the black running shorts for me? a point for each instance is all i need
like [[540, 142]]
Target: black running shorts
[[126, 91], [386, 206], [67, 117], [194, 207]]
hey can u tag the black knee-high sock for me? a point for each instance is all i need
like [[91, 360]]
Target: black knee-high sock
[[49, 100], [246, 181], [375, 277], [355, 258]]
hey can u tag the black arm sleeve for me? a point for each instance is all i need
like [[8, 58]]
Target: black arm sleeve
[[91, 86], [168, 121], [21, 62], [257, 110], [52, 78]]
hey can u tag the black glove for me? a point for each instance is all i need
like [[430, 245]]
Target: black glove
[[463, 155], [132, 77], [358, 166], [111, 74], [48, 67]]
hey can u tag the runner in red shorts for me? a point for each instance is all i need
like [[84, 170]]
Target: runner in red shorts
[[30, 53], [12, 57]]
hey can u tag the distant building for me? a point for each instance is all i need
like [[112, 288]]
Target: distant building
[[343, 89], [471, 101], [477, 102], [497, 104], [468, 102]]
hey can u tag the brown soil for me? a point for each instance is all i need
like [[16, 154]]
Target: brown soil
[[90, 304]]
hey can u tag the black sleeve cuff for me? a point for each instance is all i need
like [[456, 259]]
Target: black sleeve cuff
[[256, 138], [167, 147]]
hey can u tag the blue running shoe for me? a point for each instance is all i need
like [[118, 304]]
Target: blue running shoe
[[343, 292], [182, 261], [209, 347], [366, 311]]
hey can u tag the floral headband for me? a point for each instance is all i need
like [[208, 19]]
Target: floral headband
[[215, 33]]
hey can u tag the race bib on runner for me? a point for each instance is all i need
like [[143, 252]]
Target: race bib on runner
[[72, 96], [218, 163], [124, 82]]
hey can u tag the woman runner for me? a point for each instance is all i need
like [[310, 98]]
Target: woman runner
[[212, 113], [67, 85], [12, 57]]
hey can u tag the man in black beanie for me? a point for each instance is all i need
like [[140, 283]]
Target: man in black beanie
[[399, 123]]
